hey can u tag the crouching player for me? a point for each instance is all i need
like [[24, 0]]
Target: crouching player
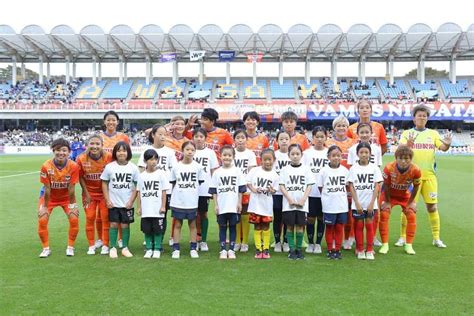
[[59, 176], [399, 176]]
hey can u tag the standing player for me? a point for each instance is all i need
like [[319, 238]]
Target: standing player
[[399, 176], [175, 138], [227, 186], [119, 180], [316, 158], [244, 160], [255, 141], [91, 165], [58, 176], [424, 142], [364, 182], [289, 121], [76, 148]]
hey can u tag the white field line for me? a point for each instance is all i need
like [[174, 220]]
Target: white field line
[[18, 175]]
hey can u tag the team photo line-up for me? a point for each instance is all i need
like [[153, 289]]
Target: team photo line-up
[[333, 187]]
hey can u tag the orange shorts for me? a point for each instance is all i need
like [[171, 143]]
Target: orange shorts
[[394, 201], [257, 219], [51, 204]]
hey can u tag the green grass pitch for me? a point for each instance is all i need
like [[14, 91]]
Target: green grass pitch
[[434, 281]]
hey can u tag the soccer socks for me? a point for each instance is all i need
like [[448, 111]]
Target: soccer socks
[[90, 221], [113, 234], [330, 236], [43, 230], [348, 226], [222, 235], [277, 226], [411, 226], [148, 242], [383, 227], [370, 233], [125, 236], [232, 234], [243, 232], [310, 232], [338, 235], [157, 242], [193, 245], [403, 226], [204, 228], [104, 214], [359, 234], [434, 223], [290, 236], [99, 223], [299, 240], [266, 239], [319, 231], [257, 236], [73, 230]]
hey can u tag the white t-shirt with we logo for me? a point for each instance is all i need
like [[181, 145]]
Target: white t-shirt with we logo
[[186, 179], [282, 160], [260, 179], [207, 159], [334, 193], [316, 160], [296, 180], [245, 160], [364, 178], [227, 183]]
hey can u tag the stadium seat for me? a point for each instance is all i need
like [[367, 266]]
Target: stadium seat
[[227, 91], [170, 91], [397, 90], [143, 91], [284, 91], [88, 91], [460, 89], [258, 91], [115, 90], [306, 91], [371, 92]]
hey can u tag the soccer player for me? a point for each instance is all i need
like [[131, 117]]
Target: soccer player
[[174, 137], [185, 177], [424, 142], [262, 182], [244, 160], [58, 176], [399, 176], [316, 158], [76, 148], [91, 165], [296, 181], [332, 183], [289, 120], [255, 141], [119, 180], [227, 186], [364, 108], [207, 158], [364, 182], [152, 186]]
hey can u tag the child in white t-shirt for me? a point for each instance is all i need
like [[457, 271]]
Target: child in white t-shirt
[[227, 186], [365, 180]]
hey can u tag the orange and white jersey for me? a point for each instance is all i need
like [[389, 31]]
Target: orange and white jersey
[[256, 144], [378, 133], [176, 144], [59, 179], [90, 169], [216, 139], [111, 140], [297, 138], [400, 183], [345, 145]]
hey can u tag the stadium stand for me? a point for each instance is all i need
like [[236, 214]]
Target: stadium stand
[[369, 90], [143, 91], [311, 91], [9, 92], [259, 91], [460, 89], [197, 91], [426, 90], [396, 91], [227, 91], [88, 91], [115, 90], [170, 91], [284, 91]]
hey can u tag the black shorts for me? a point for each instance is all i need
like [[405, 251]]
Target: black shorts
[[182, 214], [121, 215], [315, 207], [277, 204], [203, 204], [292, 218], [228, 218], [333, 219], [153, 225]]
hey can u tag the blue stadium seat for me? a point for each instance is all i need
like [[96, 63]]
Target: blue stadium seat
[[460, 89], [144, 91], [398, 89], [116, 91], [258, 91], [88, 91], [284, 91], [227, 91], [305, 90], [198, 91], [170, 91], [371, 93]]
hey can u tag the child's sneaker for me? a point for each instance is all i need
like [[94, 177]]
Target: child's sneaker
[[126, 253], [98, 243], [286, 247], [369, 255], [337, 255], [258, 254], [45, 253], [266, 254], [292, 255], [346, 244], [70, 251], [148, 254], [203, 246], [377, 243], [223, 254], [361, 255], [243, 248], [236, 247], [329, 254], [156, 254], [299, 254], [104, 250], [409, 249], [400, 242], [194, 254], [310, 248], [113, 253], [175, 254], [231, 254], [439, 243], [317, 249], [171, 242], [120, 243], [277, 247], [91, 250], [384, 249]]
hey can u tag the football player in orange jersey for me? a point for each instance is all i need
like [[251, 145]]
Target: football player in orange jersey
[[58, 176], [399, 176], [255, 141], [91, 164], [289, 120], [175, 137]]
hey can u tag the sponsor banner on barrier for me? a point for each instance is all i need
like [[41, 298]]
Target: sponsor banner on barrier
[[254, 57], [226, 55], [269, 112], [167, 57], [196, 55], [45, 150]]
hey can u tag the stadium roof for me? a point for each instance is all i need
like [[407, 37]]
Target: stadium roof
[[299, 43]]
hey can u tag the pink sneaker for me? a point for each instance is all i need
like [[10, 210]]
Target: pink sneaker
[[266, 254], [258, 254]]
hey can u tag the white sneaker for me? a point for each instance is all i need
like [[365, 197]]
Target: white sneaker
[[346, 244], [194, 254], [120, 243], [243, 248], [70, 251], [400, 242], [231, 254], [113, 253], [351, 241], [317, 249], [277, 247], [45, 253], [105, 250], [369, 255], [148, 254], [361, 255], [377, 243], [156, 254], [98, 243], [286, 247], [310, 248], [273, 244], [126, 253], [91, 250], [223, 254], [203, 245], [175, 254], [236, 247], [439, 243], [171, 242]]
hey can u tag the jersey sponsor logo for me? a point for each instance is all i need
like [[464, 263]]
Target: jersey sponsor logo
[[43, 175], [423, 146], [364, 182], [242, 164], [281, 164], [162, 163], [122, 180], [187, 180], [51, 171], [336, 184], [59, 185], [92, 176], [262, 184], [67, 178], [228, 184], [203, 161], [317, 164], [296, 183]]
